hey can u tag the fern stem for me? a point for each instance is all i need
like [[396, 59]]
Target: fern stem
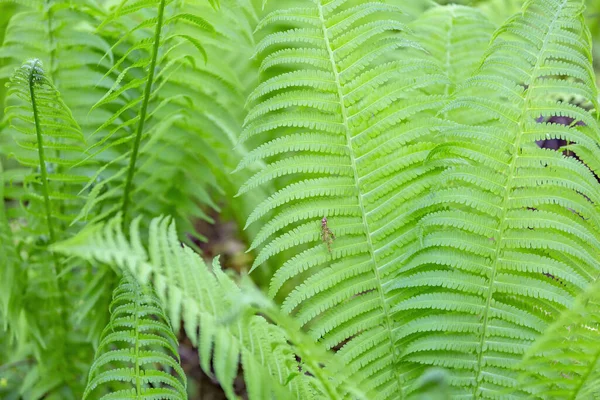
[[41, 155], [340, 93], [504, 205], [46, 194], [143, 112]]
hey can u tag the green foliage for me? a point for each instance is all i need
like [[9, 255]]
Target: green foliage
[[531, 237], [48, 142], [418, 182], [136, 340], [563, 362], [140, 72], [218, 316]]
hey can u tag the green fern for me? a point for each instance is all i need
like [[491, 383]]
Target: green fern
[[340, 101], [563, 362], [60, 34], [155, 42], [48, 138], [389, 167], [137, 339], [48, 144], [515, 235], [218, 316]]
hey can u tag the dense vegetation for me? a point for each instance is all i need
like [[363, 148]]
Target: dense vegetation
[[404, 195]]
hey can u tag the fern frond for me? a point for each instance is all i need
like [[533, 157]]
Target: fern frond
[[47, 142], [563, 362], [343, 120], [218, 316], [153, 123], [137, 356], [512, 234]]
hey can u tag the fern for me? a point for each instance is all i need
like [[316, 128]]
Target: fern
[[419, 241], [563, 362], [142, 106], [341, 103], [49, 139], [60, 34], [218, 316], [136, 340], [515, 235], [49, 143]]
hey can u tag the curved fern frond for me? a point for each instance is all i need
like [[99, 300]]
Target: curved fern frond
[[137, 356], [564, 362], [345, 119], [513, 232], [219, 317]]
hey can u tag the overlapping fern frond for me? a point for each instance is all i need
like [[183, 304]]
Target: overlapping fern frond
[[137, 356], [516, 235], [61, 35], [564, 362], [219, 317]]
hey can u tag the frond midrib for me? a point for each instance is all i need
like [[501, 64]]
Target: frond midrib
[[143, 111], [504, 206], [348, 134]]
